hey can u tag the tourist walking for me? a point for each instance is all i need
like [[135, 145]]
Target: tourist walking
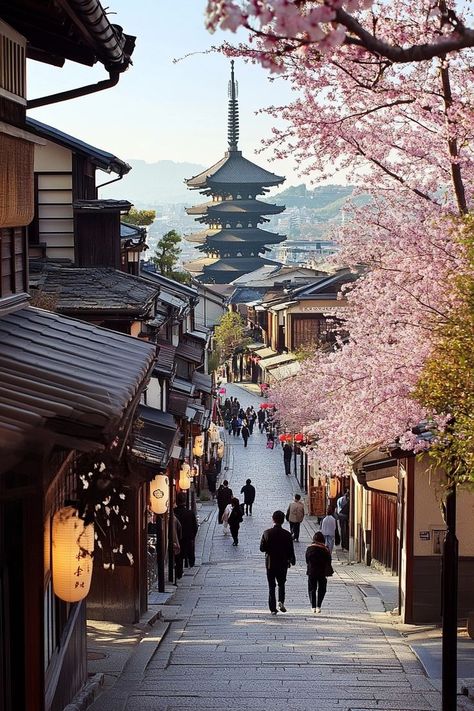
[[261, 419], [328, 529], [295, 515], [251, 420], [235, 518], [187, 535], [277, 544], [224, 497], [318, 567], [342, 508], [248, 490], [245, 432], [287, 455]]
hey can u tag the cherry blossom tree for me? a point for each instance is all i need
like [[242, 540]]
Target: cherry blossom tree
[[400, 31], [401, 128]]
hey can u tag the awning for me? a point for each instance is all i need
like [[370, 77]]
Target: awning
[[380, 476], [178, 403], [190, 352], [265, 352], [202, 382], [198, 415], [181, 385], [64, 381], [282, 372], [155, 438], [165, 359], [273, 361]]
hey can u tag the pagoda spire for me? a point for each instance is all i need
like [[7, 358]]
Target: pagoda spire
[[233, 122]]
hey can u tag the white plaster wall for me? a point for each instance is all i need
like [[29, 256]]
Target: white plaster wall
[[428, 516], [52, 158]]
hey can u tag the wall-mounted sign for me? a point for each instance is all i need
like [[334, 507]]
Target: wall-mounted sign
[[322, 309], [425, 535]]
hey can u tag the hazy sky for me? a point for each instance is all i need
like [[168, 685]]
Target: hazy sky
[[161, 109]]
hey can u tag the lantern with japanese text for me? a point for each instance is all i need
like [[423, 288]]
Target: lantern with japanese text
[[198, 446], [159, 494], [72, 549], [184, 477], [220, 449]]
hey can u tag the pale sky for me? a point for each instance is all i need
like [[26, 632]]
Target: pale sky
[[162, 110]]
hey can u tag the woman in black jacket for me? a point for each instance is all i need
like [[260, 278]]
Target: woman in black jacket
[[235, 519], [318, 567]]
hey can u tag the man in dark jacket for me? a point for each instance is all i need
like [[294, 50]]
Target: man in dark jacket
[[287, 455], [249, 496], [277, 544], [224, 496], [189, 529]]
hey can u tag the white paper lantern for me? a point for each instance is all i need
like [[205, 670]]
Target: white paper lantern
[[184, 477], [198, 448], [213, 433], [159, 494], [220, 449], [72, 549]]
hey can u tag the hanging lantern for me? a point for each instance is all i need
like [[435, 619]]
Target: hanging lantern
[[264, 405], [213, 433], [72, 549], [184, 477], [198, 447], [160, 494], [333, 487], [220, 449], [299, 437]]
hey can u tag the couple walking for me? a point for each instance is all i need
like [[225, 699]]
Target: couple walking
[[277, 544]]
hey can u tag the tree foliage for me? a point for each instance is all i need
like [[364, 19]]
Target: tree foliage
[[446, 384], [229, 334], [141, 218], [167, 253]]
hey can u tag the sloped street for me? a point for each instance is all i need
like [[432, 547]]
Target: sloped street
[[221, 648]]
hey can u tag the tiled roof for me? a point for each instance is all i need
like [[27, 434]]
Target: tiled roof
[[102, 159], [239, 235], [154, 440], [59, 382], [178, 403], [190, 351], [235, 265], [244, 294], [243, 207], [86, 289], [203, 382], [234, 169]]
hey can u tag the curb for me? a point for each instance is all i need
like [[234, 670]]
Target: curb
[[87, 695]]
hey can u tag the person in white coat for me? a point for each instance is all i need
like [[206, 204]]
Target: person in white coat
[[328, 529]]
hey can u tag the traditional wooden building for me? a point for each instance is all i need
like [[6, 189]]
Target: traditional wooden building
[[232, 241], [60, 399]]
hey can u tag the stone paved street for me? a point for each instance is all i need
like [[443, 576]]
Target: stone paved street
[[223, 649]]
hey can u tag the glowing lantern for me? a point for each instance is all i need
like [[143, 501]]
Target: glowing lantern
[[198, 448], [184, 477], [72, 548], [213, 433], [159, 494], [220, 449]]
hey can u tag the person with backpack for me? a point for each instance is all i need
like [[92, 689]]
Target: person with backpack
[[295, 515], [328, 529], [248, 490], [235, 518]]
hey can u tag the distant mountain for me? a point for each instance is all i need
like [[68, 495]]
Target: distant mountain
[[316, 199], [150, 184]]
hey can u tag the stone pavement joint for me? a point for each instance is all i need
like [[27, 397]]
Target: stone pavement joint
[[222, 648]]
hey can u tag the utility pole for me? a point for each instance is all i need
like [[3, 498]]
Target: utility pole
[[450, 604]]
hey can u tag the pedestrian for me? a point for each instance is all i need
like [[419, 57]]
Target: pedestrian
[[235, 519], [318, 567], [270, 438], [261, 419], [343, 508], [211, 476], [239, 425], [295, 514], [225, 518], [233, 425], [287, 455], [189, 529], [245, 432], [328, 529], [252, 418], [248, 490], [224, 496], [277, 544]]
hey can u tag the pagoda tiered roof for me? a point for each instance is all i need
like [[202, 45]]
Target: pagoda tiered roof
[[234, 170], [233, 182]]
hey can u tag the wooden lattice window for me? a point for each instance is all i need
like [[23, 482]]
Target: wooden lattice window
[[13, 271]]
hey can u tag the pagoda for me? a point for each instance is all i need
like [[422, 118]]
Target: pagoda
[[231, 240]]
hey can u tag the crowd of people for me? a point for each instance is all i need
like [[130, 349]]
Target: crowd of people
[[277, 542]]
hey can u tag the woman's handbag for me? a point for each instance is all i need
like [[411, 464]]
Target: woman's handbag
[[337, 536], [329, 570], [270, 444]]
